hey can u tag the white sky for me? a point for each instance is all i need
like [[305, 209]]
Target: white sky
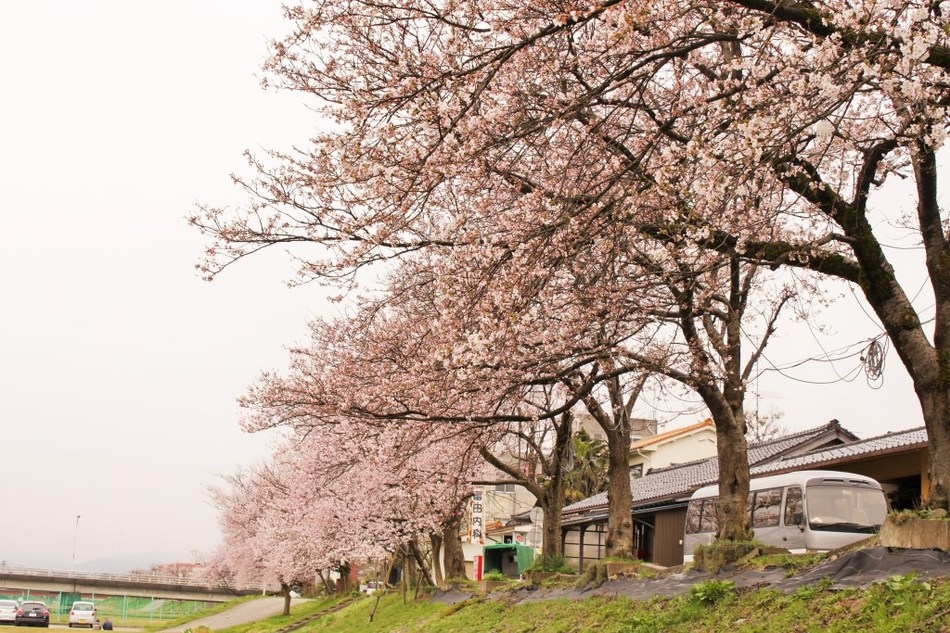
[[119, 367]]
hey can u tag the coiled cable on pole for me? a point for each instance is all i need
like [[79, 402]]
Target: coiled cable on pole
[[873, 358]]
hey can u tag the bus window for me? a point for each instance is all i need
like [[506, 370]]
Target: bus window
[[766, 508], [693, 512], [708, 522], [832, 507], [793, 506]]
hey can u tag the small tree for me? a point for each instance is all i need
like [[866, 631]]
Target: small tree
[[588, 476]]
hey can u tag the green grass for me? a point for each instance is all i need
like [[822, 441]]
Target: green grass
[[902, 603]]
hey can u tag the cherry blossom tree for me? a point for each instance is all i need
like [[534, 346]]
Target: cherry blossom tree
[[333, 497], [391, 485], [764, 426], [388, 376], [534, 138], [263, 541]]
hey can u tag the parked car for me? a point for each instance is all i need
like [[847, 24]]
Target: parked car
[[83, 614], [8, 611], [32, 613], [371, 586]]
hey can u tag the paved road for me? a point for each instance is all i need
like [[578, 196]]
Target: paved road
[[244, 613]]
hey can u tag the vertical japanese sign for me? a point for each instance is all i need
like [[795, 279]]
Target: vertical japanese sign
[[478, 496]]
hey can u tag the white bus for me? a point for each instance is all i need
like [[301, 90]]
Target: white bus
[[804, 511]]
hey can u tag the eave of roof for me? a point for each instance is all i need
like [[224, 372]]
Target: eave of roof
[[663, 437]]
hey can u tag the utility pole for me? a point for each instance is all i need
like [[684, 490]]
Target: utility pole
[[75, 537]]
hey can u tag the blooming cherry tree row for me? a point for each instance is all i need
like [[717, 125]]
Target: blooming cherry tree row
[[601, 188]]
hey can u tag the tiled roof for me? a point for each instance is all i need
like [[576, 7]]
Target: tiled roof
[[911, 438], [770, 449], [680, 479], [685, 430]]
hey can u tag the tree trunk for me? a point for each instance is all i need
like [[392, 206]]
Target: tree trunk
[[553, 498], [616, 426], [619, 495], [327, 588], [927, 363], [285, 590], [935, 403], [929, 369], [406, 574], [733, 454], [452, 556], [343, 584], [435, 545], [551, 531], [420, 566]]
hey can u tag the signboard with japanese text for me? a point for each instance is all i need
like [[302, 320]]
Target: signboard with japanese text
[[477, 533]]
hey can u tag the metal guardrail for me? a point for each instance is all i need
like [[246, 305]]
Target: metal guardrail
[[156, 579]]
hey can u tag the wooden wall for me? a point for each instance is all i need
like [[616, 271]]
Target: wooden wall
[[668, 537]]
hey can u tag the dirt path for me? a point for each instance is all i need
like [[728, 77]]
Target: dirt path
[[244, 613]]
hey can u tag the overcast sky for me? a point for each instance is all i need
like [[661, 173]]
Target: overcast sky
[[119, 367]]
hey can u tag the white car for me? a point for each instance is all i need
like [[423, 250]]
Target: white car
[[8, 610], [83, 614]]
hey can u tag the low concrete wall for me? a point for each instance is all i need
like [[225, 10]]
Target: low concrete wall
[[915, 533]]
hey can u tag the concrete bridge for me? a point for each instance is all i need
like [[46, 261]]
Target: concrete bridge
[[18, 579]]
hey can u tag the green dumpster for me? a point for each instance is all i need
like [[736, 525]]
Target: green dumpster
[[511, 559]]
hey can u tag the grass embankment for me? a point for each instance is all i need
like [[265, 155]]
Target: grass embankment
[[900, 604]]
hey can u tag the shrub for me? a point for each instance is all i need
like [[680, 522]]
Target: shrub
[[555, 563], [711, 591], [594, 576], [899, 517]]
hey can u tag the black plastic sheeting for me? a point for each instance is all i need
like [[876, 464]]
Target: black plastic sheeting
[[865, 566]]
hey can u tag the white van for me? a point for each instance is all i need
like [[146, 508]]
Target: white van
[[804, 511]]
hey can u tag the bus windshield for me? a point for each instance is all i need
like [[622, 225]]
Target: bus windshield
[[845, 508]]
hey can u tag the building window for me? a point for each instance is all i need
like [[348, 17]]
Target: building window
[[636, 471], [510, 488]]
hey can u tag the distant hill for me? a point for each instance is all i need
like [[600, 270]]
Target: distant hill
[[119, 564]]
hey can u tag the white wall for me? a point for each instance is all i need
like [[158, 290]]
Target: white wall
[[677, 450]]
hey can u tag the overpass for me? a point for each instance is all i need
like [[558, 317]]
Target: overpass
[[16, 579]]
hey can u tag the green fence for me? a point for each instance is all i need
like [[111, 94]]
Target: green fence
[[122, 610]]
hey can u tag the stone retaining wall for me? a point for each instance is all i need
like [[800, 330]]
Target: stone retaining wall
[[908, 532]]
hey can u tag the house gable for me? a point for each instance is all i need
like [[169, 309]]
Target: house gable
[[676, 446]]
